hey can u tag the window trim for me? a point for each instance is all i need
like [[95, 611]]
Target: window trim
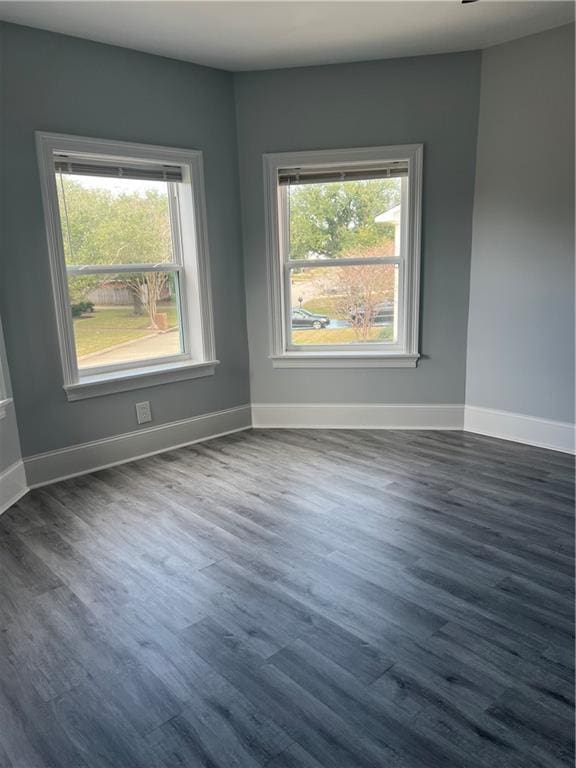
[[405, 355], [199, 358], [5, 398]]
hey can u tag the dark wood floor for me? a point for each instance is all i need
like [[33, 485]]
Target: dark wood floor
[[294, 600]]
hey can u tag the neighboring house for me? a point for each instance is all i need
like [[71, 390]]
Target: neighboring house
[[392, 216]]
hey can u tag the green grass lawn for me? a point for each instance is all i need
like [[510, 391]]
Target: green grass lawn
[[339, 335], [108, 326], [324, 305]]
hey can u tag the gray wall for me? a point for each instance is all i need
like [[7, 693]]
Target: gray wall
[[521, 325], [9, 441], [63, 84], [520, 346], [432, 100]]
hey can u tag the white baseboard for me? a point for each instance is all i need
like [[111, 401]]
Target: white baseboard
[[544, 433], [48, 467], [357, 416], [12, 485], [52, 466]]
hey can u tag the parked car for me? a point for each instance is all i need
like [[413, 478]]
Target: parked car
[[380, 314], [301, 318]]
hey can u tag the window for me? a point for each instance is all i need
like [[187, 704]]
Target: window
[[129, 260], [5, 400], [344, 256]]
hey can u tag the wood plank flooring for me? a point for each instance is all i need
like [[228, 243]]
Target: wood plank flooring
[[294, 599]]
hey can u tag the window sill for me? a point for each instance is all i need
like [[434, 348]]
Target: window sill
[[4, 405], [140, 378], [343, 360]]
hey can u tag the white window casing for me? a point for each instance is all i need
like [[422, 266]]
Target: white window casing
[[308, 167], [5, 399], [182, 169]]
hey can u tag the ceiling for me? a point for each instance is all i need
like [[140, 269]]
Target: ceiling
[[268, 34]]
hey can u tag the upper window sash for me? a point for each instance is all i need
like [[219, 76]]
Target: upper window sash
[[172, 265], [284, 226]]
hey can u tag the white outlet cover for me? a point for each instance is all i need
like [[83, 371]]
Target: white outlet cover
[[143, 412]]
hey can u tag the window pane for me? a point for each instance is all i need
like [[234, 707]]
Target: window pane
[[114, 221], [351, 304], [123, 318], [346, 219]]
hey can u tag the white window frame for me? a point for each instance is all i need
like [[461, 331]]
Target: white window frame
[[191, 262], [402, 354], [5, 399]]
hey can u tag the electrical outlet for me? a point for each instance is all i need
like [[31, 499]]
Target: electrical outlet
[[143, 412]]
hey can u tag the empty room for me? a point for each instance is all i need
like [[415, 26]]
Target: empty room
[[287, 384]]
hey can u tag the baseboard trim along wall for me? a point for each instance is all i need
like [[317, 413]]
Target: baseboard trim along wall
[[51, 466], [543, 433], [12, 485], [357, 416]]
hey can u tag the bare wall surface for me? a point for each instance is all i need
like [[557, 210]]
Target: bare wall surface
[[67, 85], [520, 342], [431, 100], [9, 441], [521, 325]]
